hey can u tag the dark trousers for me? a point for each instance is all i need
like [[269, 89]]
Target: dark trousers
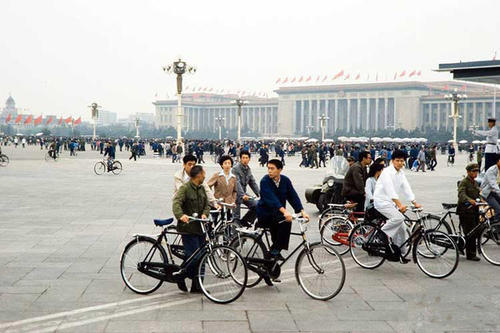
[[489, 160], [360, 200], [494, 201], [191, 244], [133, 156], [469, 222], [433, 164], [251, 214], [280, 232]]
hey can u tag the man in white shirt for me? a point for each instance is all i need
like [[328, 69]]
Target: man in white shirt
[[491, 149], [387, 201]]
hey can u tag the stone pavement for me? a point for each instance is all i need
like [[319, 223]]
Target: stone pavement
[[62, 229]]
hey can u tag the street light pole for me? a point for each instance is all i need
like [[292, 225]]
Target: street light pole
[[323, 120], [219, 120], [455, 97], [239, 102], [179, 68], [94, 107], [137, 126]]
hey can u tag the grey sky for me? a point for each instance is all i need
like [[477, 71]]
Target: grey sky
[[59, 56]]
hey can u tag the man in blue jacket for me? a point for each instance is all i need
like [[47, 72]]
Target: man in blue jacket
[[275, 191]]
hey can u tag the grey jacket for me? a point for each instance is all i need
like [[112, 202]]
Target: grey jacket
[[489, 183], [245, 177]]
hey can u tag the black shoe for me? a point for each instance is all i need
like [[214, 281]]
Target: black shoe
[[268, 281], [475, 258], [181, 284], [195, 287], [404, 261]]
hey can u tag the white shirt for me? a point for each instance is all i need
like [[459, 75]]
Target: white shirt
[[389, 184], [369, 190], [491, 139], [228, 177]]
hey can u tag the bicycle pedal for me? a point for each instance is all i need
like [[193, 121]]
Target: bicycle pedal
[[276, 280]]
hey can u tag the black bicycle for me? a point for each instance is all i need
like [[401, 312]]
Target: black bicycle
[[221, 270], [52, 155], [434, 251], [4, 160], [102, 166], [319, 269], [488, 244]]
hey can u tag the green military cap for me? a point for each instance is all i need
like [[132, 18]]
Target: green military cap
[[472, 167]]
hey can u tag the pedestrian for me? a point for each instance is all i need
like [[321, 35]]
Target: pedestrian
[[491, 149]]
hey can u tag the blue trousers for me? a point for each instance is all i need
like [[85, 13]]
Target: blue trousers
[[191, 244]]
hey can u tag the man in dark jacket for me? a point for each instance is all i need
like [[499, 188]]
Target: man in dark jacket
[[468, 193], [275, 191], [353, 188], [245, 178], [110, 152], [191, 198]]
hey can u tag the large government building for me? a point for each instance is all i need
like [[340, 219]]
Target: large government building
[[350, 108]]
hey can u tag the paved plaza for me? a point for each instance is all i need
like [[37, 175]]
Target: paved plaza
[[62, 229]]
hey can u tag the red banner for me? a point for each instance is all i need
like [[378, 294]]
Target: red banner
[[49, 120], [38, 120], [60, 121], [28, 120], [68, 120], [78, 121], [9, 117]]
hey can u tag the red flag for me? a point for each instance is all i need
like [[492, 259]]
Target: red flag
[[358, 76], [60, 121], [309, 78], [339, 74], [419, 73], [413, 73], [278, 81], [78, 121], [49, 120], [19, 118], [347, 76], [28, 120], [403, 73], [9, 117], [38, 120], [293, 80], [285, 80], [446, 87], [317, 79], [301, 79], [68, 120]]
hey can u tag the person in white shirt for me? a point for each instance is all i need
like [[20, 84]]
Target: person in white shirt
[[387, 201], [373, 175], [491, 149]]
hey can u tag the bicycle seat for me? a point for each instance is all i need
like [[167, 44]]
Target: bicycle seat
[[163, 222], [449, 205]]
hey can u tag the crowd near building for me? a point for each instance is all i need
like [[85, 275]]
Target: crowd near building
[[349, 108]]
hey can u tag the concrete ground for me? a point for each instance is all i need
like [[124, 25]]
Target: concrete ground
[[62, 229]]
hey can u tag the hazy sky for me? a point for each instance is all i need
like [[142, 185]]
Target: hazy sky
[[57, 57]]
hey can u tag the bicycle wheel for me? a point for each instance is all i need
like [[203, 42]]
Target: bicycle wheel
[[99, 168], [335, 232], [250, 247], [224, 280], [489, 244], [325, 215], [48, 157], [320, 271], [436, 254], [433, 222], [361, 234], [134, 253], [116, 167], [4, 160]]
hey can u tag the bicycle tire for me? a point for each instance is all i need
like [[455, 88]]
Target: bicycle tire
[[357, 238], [257, 251], [152, 243], [489, 244], [99, 168], [116, 167], [433, 241], [336, 225], [232, 268], [4, 160], [315, 260]]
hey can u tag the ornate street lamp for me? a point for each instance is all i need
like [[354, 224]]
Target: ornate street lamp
[[220, 121], [322, 123], [239, 102], [179, 68], [137, 120], [94, 108], [455, 97]]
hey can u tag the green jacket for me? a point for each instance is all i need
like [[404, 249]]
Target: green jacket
[[190, 199], [467, 190]]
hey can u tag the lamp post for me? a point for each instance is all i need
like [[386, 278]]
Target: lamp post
[[137, 120], [94, 108], [219, 120], [239, 102], [179, 67], [323, 120], [455, 97]]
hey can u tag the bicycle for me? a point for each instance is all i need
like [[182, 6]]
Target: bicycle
[[103, 166], [451, 160], [338, 224], [369, 247], [316, 262], [145, 264], [488, 244], [4, 160], [50, 158]]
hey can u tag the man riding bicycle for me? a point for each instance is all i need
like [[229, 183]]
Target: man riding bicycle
[[110, 152], [52, 150], [276, 190], [387, 200]]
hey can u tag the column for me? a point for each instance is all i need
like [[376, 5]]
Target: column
[[302, 128], [348, 115], [386, 110], [326, 113], [376, 114], [336, 115], [367, 113], [474, 114], [438, 111], [483, 120], [358, 114], [394, 114]]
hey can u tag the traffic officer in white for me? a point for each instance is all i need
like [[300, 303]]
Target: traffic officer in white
[[386, 198], [491, 149]]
